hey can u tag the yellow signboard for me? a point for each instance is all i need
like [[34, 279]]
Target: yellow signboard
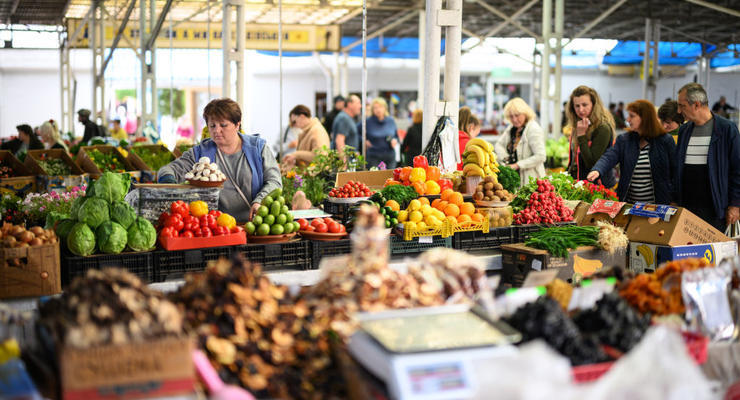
[[194, 35]]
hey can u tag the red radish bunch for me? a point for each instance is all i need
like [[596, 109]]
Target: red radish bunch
[[321, 225], [351, 189], [544, 207]]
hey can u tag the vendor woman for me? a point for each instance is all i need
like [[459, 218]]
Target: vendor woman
[[250, 167]]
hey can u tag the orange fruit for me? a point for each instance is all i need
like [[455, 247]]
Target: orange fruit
[[435, 203], [456, 198], [467, 208], [393, 205], [445, 195], [477, 217], [452, 220], [463, 218], [452, 210], [441, 205], [423, 200]]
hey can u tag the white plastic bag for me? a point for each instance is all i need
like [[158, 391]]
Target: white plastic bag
[[733, 231]]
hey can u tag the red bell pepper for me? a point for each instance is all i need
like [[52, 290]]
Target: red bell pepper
[[397, 174], [444, 183], [404, 175], [420, 162]]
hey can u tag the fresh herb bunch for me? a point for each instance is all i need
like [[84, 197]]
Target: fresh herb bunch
[[508, 178], [400, 193], [153, 158], [107, 162], [558, 240], [55, 167], [315, 188]]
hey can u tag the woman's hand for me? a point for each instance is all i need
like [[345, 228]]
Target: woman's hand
[[582, 126], [514, 166], [394, 143], [593, 175], [289, 159], [253, 210], [368, 144]]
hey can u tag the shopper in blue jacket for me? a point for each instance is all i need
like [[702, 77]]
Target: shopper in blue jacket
[[707, 178], [646, 158]]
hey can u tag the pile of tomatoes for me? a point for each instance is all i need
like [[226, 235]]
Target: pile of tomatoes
[[180, 222], [321, 225], [351, 189], [544, 207]]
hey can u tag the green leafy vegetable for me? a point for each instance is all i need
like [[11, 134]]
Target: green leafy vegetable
[[400, 193], [112, 187], [509, 178], [81, 240], [106, 161], [63, 228], [93, 212], [122, 213], [55, 167], [52, 218], [559, 239], [111, 237], [141, 235], [153, 158]]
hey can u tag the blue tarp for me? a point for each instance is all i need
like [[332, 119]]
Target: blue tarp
[[393, 47], [670, 53], [727, 58]]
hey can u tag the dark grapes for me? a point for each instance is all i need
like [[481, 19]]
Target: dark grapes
[[614, 322]]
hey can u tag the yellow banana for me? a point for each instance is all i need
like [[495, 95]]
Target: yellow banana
[[470, 159], [480, 155], [473, 170], [482, 143], [646, 253]]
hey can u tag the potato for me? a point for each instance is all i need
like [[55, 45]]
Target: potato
[[489, 193], [488, 186], [496, 198], [498, 186]]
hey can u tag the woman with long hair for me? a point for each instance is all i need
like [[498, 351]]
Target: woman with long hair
[[50, 135], [411, 145], [469, 128], [592, 133], [382, 135], [522, 145], [646, 158]]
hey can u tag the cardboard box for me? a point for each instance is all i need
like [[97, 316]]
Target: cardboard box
[[37, 275], [518, 260], [372, 179], [22, 183], [151, 200], [646, 257], [669, 226], [157, 368], [54, 183], [602, 210]]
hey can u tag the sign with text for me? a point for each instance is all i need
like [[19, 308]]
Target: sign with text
[[195, 35]]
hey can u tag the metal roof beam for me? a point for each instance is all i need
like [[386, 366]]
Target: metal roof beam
[[125, 38], [201, 10], [117, 39], [499, 49], [596, 21], [503, 25], [687, 36], [509, 19], [402, 17], [158, 26], [85, 20], [715, 7]]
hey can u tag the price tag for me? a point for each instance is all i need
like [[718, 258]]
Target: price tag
[[540, 278], [426, 239], [537, 265]]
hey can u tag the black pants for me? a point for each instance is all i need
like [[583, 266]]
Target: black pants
[[709, 216], [388, 158]]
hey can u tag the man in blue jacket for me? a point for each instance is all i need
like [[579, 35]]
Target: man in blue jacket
[[707, 180]]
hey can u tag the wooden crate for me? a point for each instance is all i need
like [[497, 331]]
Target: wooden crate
[[23, 183], [148, 175], [38, 275], [34, 156], [84, 161], [157, 368]]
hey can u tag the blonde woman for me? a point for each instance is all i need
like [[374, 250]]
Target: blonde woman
[[50, 135], [382, 136], [593, 133], [522, 145]]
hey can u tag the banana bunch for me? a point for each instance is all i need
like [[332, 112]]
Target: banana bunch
[[479, 158], [646, 254]]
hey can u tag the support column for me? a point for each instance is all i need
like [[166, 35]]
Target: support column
[[233, 53], [646, 58], [453, 44], [535, 87], [345, 75], [422, 52], [97, 46], [545, 81], [557, 117], [433, 40], [656, 61], [149, 103], [335, 87], [238, 57], [489, 98], [226, 46], [67, 121]]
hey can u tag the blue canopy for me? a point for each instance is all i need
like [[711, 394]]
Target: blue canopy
[[393, 47], [727, 58], [669, 53]]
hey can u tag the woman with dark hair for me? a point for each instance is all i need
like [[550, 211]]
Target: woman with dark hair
[[248, 163], [313, 136], [670, 118], [29, 140], [592, 133], [411, 145], [646, 158]]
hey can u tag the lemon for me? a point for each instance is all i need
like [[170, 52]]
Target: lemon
[[432, 221], [410, 226], [426, 209], [415, 216], [438, 214], [414, 205], [403, 216], [421, 226]]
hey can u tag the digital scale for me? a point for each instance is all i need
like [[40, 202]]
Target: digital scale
[[428, 353]]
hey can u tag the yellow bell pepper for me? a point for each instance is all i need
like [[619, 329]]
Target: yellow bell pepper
[[432, 187], [226, 221], [418, 175], [198, 208]]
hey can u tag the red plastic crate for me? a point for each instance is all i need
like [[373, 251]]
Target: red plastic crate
[[696, 345], [182, 243]]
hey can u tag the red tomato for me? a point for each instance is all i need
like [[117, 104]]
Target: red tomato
[[322, 228], [206, 232], [342, 229], [168, 232], [237, 229], [310, 228], [334, 227], [163, 218], [198, 233], [316, 222], [180, 207], [303, 223], [187, 234]]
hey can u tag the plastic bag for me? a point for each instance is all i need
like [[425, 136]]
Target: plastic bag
[[733, 231]]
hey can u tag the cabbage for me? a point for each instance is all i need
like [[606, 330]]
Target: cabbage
[[112, 187], [76, 204], [81, 240], [94, 211], [122, 213], [141, 235], [111, 237], [63, 228]]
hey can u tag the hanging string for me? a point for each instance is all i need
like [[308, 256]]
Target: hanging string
[[280, 67]]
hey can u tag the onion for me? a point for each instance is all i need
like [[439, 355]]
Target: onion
[[9, 241], [36, 242], [16, 230], [37, 230], [26, 236]]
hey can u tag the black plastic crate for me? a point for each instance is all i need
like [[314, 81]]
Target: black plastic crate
[[175, 264], [139, 264], [321, 249], [477, 240], [414, 246], [295, 254], [524, 231], [339, 211]]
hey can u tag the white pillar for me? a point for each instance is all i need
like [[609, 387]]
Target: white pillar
[[67, 121], [345, 75], [646, 59], [226, 45], [489, 99], [453, 44], [545, 81], [238, 57], [557, 117], [422, 52], [149, 103], [335, 81], [433, 42]]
